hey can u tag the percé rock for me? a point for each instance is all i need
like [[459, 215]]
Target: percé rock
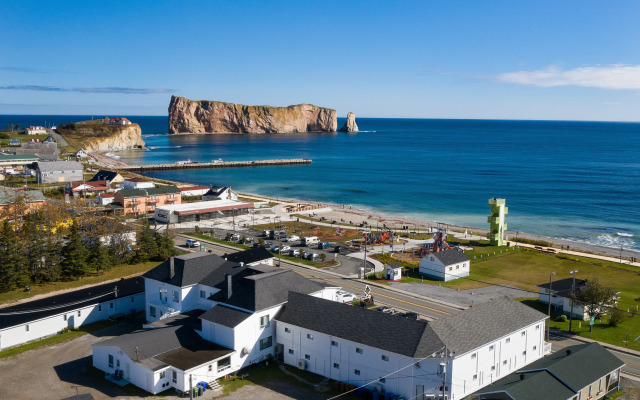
[[127, 137], [350, 125], [208, 116]]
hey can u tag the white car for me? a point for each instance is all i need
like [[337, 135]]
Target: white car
[[295, 252], [285, 248], [345, 297], [292, 238], [193, 243]]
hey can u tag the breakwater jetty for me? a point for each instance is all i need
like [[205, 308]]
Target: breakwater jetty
[[215, 164]]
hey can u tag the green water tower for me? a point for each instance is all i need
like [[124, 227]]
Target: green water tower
[[496, 220]]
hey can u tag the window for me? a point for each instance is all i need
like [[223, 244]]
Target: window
[[290, 351], [508, 340], [110, 305], [358, 350], [110, 361], [152, 311], [385, 358], [210, 367], [287, 330], [491, 348], [64, 317], [266, 343], [79, 313], [307, 357], [457, 267], [431, 258], [336, 365], [382, 380], [99, 307], [176, 296], [524, 353], [450, 268], [309, 336], [334, 343], [224, 364], [132, 299], [493, 368], [163, 374], [475, 377], [203, 294], [523, 333], [537, 327], [174, 376], [264, 321], [356, 372], [160, 294], [535, 348], [117, 363], [504, 362], [26, 327]]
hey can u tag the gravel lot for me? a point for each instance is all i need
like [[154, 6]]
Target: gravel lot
[[463, 297]]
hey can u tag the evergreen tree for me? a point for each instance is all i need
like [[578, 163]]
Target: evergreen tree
[[13, 263], [147, 249], [74, 254], [166, 247], [100, 257]]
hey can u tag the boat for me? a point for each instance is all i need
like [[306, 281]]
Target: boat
[[184, 162], [218, 161]]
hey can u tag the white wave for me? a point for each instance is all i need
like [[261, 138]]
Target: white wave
[[368, 131], [162, 147], [154, 134], [624, 234]]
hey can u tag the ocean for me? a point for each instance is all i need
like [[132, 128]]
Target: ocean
[[578, 181]]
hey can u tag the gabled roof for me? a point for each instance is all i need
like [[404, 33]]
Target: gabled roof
[[562, 287], [104, 175], [408, 337], [252, 255], [192, 268], [52, 166], [484, 323], [8, 196], [150, 191], [449, 257], [216, 191], [188, 188], [90, 185], [225, 316], [559, 376], [261, 287]]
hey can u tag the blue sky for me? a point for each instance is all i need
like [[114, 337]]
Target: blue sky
[[568, 60]]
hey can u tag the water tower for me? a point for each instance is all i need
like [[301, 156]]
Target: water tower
[[496, 220]]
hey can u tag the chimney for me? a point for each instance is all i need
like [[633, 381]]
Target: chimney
[[568, 352], [229, 284], [172, 270], [521, 377]]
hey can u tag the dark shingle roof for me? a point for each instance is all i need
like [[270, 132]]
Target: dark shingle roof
[[412, 338], [150, 191], [558, 376], [69, 301], [104, 175], [251, 255], [263, 287], [483, 323], [225, 316], [449, 257], [193, 355], [189, 319], [192, 268], [562, 287]]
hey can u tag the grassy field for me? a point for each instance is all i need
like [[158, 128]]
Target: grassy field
[[113, 273], [19, 135]]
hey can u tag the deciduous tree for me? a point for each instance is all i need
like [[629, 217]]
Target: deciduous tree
[[596, 298]]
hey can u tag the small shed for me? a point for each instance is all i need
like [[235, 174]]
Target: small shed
[[393, 271]]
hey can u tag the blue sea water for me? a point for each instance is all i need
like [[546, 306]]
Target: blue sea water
[[571, 180]]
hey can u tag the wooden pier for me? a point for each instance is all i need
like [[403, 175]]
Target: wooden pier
[[215, 164]]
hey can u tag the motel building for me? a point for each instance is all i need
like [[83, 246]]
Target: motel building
[[201, 211]]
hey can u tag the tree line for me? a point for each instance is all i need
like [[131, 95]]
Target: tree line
[[62, 242]]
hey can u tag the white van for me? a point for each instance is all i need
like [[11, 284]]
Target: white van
[[310, 240]]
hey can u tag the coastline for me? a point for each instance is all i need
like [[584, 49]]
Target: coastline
[[345, 213]]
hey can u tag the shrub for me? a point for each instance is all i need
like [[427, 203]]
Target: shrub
[[616, 316], [561, 318], [4, 136]]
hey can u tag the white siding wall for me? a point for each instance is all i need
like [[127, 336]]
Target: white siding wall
[[164, 304], [38, 329], [133, 372]]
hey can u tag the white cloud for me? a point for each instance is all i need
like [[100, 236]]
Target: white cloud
[[617, 76]]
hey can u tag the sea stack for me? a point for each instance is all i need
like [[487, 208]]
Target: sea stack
[[350, 126]]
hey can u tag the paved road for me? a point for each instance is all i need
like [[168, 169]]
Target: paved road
[[58, 138]]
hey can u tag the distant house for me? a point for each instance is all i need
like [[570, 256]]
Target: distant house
[[109, 176], [33, 199], [584, 371], [193, 190], [35, 130], [87, 188], [445, 265], [105, 198], [58, 171], [219, 193], [49, 139], [561, 295], [81, 154], [135, 201], [393, 271], [17, 161], [14, 142], [119, 121], [137, 183], [35, 140]]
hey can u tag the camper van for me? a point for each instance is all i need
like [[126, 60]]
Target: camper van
[[281, 234], [310, 240]]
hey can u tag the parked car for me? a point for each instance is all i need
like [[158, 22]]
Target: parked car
[[292, 238], [268, 243], [275, 249], [193, 243], [324, 245], [410, 315], [339, 249], [286, 248], [345, 297], [295, 252], [387, 309], [248, 240]]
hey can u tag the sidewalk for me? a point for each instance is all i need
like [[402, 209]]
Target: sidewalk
[[580, 254], [620, 349]]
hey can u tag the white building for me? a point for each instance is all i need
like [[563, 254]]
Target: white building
[[405, 357], [58, 171], [561, 295], [445, 265], [46, 317], [35, 130], [251, 257], [190, 191], [220, 193], [393, 271], [137, 183], [200, 210], [105, 198]]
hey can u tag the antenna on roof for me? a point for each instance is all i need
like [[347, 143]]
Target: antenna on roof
[[116, 291]]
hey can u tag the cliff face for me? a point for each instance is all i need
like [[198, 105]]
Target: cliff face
[[126, 137], [189, 116], [350, 126]]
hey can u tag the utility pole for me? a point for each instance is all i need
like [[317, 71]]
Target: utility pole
[[573, 295], [444, 373], [549, 324], [190, 387]]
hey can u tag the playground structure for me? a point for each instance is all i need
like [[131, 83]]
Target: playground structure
[[496, 221], [371, 238], [439, 243]]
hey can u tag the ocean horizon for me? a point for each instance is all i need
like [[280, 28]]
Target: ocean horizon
[[572, 180]]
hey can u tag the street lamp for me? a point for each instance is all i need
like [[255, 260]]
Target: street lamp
[[549, 324], [573, 294]]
